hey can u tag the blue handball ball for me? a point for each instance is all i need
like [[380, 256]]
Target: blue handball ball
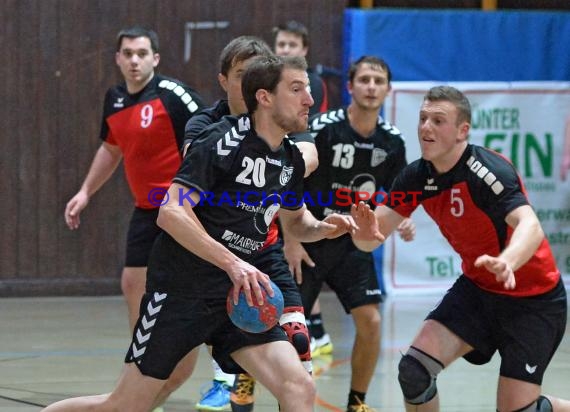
[[256, 318]]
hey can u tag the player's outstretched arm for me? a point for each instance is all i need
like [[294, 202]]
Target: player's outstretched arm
[[302, 225], [527, 237], [374, 227]]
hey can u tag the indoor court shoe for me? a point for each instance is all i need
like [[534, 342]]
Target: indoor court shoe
[[321, 346], [241, 397], [362, 407], [217, 398]]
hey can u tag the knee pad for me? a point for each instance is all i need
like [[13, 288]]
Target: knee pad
[[293, 323], [417, 376], [542, 404]]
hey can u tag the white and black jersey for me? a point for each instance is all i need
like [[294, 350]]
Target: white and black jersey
[[349, 162], [242, 184]]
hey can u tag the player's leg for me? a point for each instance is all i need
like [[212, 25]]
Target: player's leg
[[524, 359], [133, 281], [459, 318], [365, 349], [434, 348], [134, 393], [179, 375], [277, 367], [141, 235], [166, 338], [355, 283], [272, 261], [321, 343], [558, 405], [513, 392], [293, 322]]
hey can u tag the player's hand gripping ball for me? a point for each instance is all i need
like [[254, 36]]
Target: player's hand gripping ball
[[256, 318]]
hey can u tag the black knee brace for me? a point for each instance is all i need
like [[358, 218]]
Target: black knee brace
[[417, 376], [542, 404], [293, 323]]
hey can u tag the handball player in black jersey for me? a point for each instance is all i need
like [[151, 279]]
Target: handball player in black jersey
[[358, 152], [233, 62], [210, 234], [510, 298]]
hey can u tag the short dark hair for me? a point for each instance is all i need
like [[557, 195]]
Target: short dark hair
[[242, 48], [264, 72], [138, 31], [371, 60], [294, 27], [454, 96]]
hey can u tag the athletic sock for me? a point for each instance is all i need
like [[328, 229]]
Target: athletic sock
[[356, 398], [315, 325]]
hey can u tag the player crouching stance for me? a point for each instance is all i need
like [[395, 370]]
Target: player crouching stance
[[510, 298]]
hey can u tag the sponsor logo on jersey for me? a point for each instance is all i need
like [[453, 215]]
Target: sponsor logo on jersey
[[378, 157], [530, 369], [271, 161], [243, 244], [285, 175], [482, 172], [263, 218], [119, 104], [368, 146], [250, 207], [430, 184], [373, 292]]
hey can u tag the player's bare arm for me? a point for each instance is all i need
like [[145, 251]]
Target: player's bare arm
[[305, 227], [295, 254], [407, 230], [527, 237], [179, 221], [374, 227], [102, 167]]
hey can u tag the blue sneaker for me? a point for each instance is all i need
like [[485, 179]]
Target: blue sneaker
[[217, 398]]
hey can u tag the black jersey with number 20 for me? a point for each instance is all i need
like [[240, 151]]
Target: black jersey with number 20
[[242, 184]]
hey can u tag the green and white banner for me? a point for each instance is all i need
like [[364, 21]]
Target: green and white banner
[[524, 121]]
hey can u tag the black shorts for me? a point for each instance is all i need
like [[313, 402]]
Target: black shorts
[[349, 272], [143, 230], [271, 261], [524, 330], [169, 327]]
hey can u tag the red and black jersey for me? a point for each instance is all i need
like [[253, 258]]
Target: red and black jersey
[[350, 163], [469, 204], [148, 127], [242, 184]]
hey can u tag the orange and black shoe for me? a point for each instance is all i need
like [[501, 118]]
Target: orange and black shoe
[[241, 397]]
